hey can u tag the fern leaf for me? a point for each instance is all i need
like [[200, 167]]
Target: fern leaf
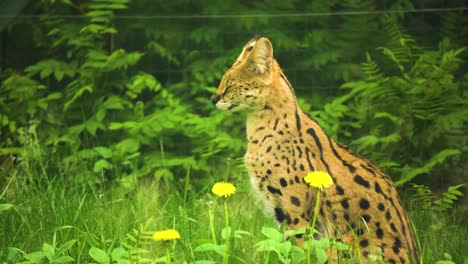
[[423, 195], [367, 142], [448, 198], [454, 189], [440, 157], [370, 69]]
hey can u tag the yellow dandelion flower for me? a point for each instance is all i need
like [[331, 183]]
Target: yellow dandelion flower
[[165, 235], [319, 179], [223, 189]]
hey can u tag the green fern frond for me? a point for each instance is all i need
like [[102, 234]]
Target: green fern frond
[[377, 86], [408, 173], [450, 60], [401, 48], [423, 196], [448, 198], [370, 141], [370, 69], [137, 242], [101, 14]]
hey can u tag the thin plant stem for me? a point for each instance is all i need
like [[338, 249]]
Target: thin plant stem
[[226, 214], [213, 233], [187, 183], [267, 258], [228, 232], [314, 220], [168, 255], [316, 210]]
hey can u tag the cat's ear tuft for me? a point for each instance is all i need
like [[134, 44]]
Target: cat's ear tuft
[[261, 56]]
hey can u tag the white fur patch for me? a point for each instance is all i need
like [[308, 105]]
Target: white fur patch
[[227, 106], [252, 44], [243, 52]]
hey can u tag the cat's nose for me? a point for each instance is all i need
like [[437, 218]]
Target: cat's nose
[[215, 98]]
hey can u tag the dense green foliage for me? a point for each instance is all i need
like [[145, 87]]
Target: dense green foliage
[[106, 95], [411, 121], [131, 96]]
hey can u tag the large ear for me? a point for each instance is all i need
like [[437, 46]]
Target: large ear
[[261, 56]]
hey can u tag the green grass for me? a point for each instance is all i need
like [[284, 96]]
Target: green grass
[[56, 211]]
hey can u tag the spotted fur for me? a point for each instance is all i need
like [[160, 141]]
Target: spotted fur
[[362, 208]]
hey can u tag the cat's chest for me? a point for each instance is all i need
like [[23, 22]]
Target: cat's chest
[[272, 157]]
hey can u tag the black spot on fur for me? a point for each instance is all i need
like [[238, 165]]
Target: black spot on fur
[[364, 204], [379, 232], [377, 188], [388, 216], [276, 123], [392, 226], [299, 150], [366, 218], [281, 216], [359, 232], [364, 243], [359, 180], [302, 167], [274, 190], [268, 149], [268, 171], [396, 245], [267, 136], [283, 182], [345, 203], [381, 207], [295, 201], [339, 190], [346, 216]]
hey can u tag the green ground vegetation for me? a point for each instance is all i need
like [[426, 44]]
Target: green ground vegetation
[[55, 222]]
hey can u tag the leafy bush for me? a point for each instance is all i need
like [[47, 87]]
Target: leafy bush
[[410, 116], [128, 97], [88, 104]]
